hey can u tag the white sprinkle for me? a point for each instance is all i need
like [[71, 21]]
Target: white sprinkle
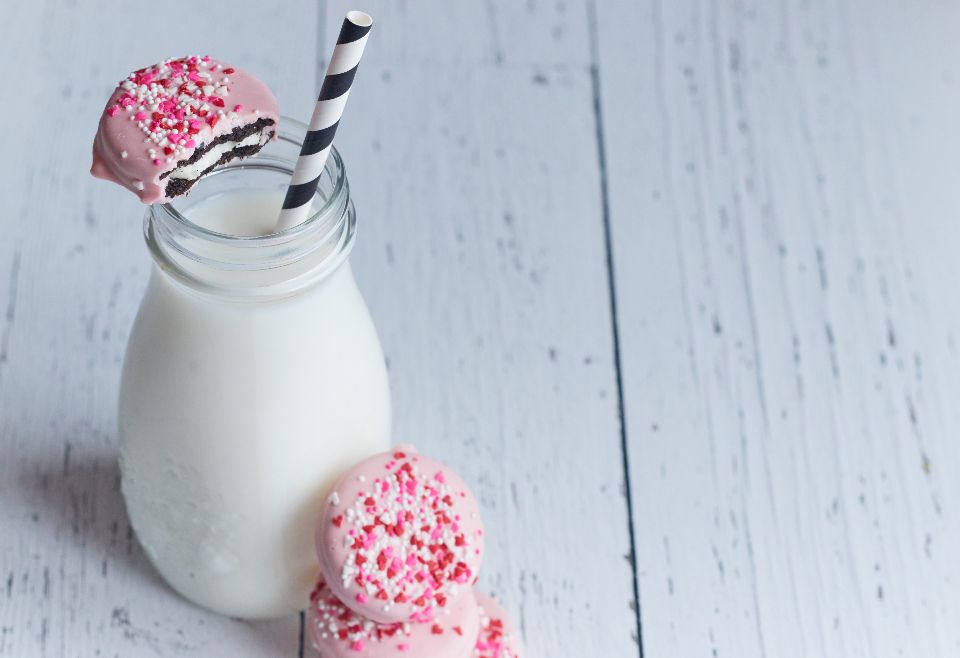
[[137, 183], [334, 498], [362, 478], [124, 154]]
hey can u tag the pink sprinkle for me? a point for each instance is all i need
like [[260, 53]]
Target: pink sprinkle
[[114, 111], [439, 477], [174, 137], [403, 646], [237, 107], [195, 124], [362, 598], [190, 143], [157, 161], [193, 76], [140, 116], [356, 645]]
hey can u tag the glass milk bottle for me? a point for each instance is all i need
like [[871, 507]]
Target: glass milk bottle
[[253, 376]]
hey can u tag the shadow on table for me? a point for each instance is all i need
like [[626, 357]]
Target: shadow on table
[[75, 503], [75, 497]]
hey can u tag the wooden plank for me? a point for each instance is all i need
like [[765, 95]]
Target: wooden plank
[[471, 146], [782, 205], [73, 581], [498, 361]]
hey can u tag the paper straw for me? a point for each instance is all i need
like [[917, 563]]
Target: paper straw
[[326, 118]]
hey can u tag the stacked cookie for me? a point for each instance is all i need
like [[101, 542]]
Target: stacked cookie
[[400, 543]]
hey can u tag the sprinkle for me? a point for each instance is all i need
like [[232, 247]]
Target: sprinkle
[[138, 184], [337, 624], [172, 98], [157, 161], [405, 544], [124, 154], [494, 640], [238, 107]]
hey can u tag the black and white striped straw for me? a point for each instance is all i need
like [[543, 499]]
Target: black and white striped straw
[[326, 118]]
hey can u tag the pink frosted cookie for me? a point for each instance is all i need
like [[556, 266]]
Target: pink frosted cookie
[[168, 124], [400, 537], [497, 638], [339, 632]]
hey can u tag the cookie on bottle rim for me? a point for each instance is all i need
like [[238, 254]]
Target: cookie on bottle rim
[[168, 124]]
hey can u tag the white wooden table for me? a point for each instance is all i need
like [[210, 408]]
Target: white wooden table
[[673, 283]]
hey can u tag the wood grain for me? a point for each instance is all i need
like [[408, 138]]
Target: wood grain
[[782, 204], [498, 331], [733, 223], [474, 168]]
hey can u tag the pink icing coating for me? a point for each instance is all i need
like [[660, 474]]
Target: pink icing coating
[[199, 97], [497, 638], [339, 632], [400, 538]]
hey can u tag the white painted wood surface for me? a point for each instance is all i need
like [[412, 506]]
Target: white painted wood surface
[[498, 362], [783, 200], [776, 180]]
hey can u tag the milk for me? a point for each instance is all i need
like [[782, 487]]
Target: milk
[[237, 413]]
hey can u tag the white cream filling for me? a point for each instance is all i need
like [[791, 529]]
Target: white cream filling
[[212, 156]]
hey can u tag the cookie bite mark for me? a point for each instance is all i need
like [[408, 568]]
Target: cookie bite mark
[[168, 124], [241, 142]]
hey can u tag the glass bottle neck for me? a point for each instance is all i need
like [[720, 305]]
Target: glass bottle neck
[[213, 239]]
